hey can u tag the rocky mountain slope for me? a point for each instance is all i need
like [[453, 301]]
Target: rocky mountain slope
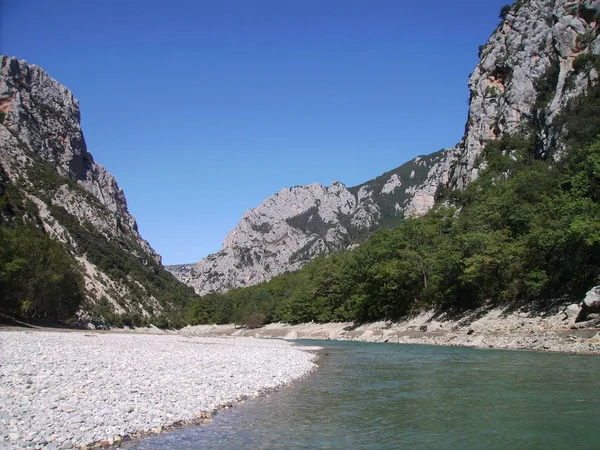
[[297, 224], [47, 173], [540, 56]]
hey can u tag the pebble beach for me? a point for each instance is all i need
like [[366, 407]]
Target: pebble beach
[[82, 389]]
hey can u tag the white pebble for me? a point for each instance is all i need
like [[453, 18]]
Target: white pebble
[[120, 384]]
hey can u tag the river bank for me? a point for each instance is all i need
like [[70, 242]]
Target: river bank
[[61, 390], [69, 388], [495, 328]]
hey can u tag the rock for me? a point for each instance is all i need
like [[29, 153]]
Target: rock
[[571, 312], [333, 335], [595, 339], [591, 302], [589, 305], [292, 336], [41, 125], [134, 387], [434, 326], [295, 225], [586, 324], [13, 437]]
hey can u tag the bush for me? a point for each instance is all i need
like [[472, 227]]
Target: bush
[[255, 320], [504, 11]]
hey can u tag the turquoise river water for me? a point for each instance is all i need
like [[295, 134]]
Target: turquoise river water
[[374, 396]]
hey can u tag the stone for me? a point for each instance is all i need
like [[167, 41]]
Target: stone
[[134, 388], [127, 409], [591, 302], [292, 335], [572, 311], [13, 437], [434, 326]]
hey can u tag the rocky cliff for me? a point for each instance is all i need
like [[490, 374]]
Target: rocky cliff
[[45, 164], [536, 60], [297, 224], [532, 65]]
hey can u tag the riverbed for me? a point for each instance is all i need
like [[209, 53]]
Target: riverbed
[[367, 395], [77, 389]]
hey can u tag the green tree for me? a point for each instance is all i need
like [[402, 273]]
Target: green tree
[[38, 278]]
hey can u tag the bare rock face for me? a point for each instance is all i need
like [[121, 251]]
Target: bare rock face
[[42, 116], [534, 48], [525, 77], [43, 155], [537, 43], [297, 224]]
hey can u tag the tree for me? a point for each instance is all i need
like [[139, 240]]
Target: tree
[[504, 11], [38, 278]]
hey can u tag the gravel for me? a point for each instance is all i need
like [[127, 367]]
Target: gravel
[[67, 390], [485, 328]]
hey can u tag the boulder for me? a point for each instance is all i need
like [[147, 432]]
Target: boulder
[[334, 335], [434, 326], [591, 302], [571, 312]]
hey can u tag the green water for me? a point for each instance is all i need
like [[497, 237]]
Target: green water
[[411, 396]]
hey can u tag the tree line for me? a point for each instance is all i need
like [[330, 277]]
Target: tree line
[[525, 233]]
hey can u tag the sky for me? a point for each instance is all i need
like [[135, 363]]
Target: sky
[[202, 109]]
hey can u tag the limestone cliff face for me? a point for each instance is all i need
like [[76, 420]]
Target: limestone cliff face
[[525, 78], [297, 224], [43, 156], [532, 49], [538, 39], [42, 116]]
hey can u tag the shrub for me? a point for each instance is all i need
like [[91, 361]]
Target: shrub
[[255, 320], [504, 11]]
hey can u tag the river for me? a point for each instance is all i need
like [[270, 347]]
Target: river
[[374, 396]]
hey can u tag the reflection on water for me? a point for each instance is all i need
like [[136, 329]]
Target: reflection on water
[[412, 396]]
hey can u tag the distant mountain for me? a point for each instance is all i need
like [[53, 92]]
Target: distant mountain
[[49, 179], [293, 226], [539, 47]]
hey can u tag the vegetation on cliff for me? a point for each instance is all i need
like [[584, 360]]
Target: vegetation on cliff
[[40, 278], [525, 233]]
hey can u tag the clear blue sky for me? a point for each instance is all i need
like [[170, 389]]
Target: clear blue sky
[[202, 109]]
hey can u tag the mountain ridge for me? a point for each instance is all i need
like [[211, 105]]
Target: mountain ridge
[[537, 42], [53, 178], [296, 224]]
